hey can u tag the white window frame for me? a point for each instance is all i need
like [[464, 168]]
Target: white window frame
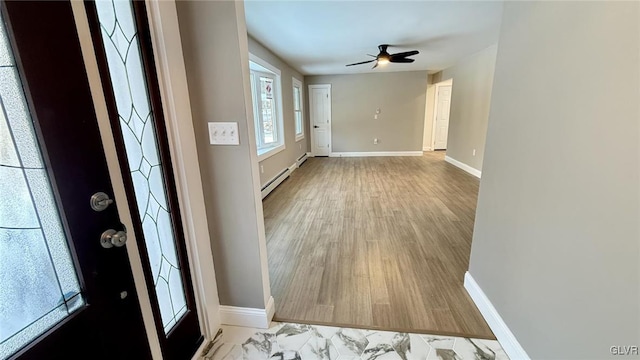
[[298, 84], [259, 67]]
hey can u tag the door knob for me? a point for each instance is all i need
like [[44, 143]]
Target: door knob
[[111, 238], [316, 126]]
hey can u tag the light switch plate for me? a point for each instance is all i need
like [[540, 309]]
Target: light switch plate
[[223, 133]]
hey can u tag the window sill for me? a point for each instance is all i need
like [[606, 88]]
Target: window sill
[[269, 152], [299, 137]]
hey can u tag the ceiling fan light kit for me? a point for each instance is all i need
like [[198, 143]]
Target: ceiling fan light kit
[[384, 57]]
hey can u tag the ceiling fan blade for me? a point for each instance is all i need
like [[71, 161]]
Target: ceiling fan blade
[[401, 60], [375, 65], [406, 53], [360, 63]]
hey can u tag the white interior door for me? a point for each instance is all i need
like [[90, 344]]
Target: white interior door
[[442, 117], [320, 113]]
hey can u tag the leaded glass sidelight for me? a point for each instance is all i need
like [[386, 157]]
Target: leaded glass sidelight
[[38, 282], [121, 43]]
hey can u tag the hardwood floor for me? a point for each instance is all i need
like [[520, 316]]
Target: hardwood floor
[[374, 242]]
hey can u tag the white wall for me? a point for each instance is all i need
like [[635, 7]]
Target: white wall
[[556, 239]]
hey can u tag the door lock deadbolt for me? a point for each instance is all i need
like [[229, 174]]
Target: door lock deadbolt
[[100, 201]]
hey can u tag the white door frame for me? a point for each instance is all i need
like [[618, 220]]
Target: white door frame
[[448, 82], [312, 133]]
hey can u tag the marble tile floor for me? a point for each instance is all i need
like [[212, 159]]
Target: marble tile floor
[[289, 341]]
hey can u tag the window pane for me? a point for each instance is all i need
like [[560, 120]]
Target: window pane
[[296, 98], [38, 282], [120, 39], [299, 126], [268, 111]]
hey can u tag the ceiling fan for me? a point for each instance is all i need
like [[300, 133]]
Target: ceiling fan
[[384, 57]]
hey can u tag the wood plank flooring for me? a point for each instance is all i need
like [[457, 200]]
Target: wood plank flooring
[[374, 242]]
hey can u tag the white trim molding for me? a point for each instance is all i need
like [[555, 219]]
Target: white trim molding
[[248, 317], [266, 153], [375, 153], [506, 338], [473, 171], [264, 65], [426, 148]]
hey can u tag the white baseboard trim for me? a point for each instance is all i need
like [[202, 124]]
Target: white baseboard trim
[[271, 310], [506, 338], [309, 154], [375, 153], [247, 317], [473, 171], [426, 148]]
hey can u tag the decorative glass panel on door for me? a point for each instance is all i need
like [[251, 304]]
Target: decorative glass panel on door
[[38, 282], [137, 124]]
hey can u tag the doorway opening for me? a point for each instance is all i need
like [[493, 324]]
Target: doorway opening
[[364, 228], [372, 239]]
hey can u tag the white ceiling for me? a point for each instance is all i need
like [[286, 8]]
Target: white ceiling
[[321, 37]]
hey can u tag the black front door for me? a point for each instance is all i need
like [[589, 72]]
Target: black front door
[[66, 292]]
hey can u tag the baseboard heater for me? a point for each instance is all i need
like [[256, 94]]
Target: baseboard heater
[[273, 183], [302, 159]]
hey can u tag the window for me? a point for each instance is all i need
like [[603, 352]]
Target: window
[[297, 108], [267, 102]]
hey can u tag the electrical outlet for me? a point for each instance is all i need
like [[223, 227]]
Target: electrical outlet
[[375, 141], [474, 152]]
